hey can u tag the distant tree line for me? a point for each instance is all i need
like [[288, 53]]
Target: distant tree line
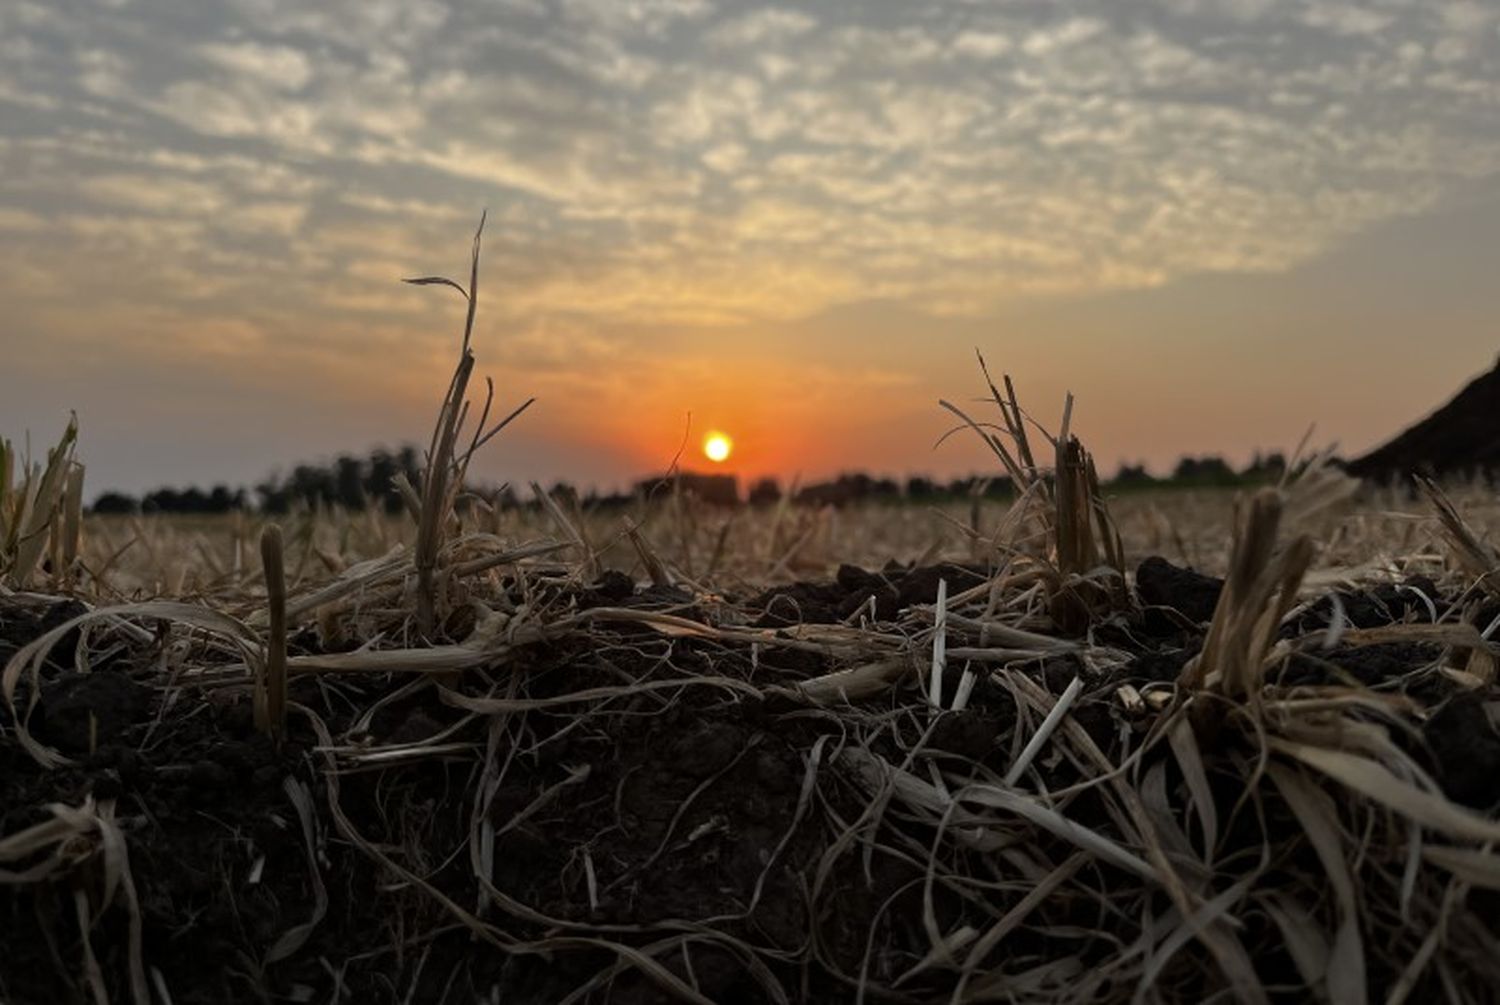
[[357, 483], [1206, 472], [350, 482], [219, 499]]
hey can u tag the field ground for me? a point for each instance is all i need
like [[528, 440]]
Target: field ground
[[884, 755]]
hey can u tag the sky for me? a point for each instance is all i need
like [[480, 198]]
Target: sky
[[1216, 222]]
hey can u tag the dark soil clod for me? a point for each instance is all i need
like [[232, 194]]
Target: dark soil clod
[[25, 617], [81, 712], [1160, 583], [1466, 750]]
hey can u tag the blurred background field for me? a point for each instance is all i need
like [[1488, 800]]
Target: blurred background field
[[1381, 533]]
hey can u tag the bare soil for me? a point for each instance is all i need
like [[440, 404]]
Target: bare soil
[[697, 814]]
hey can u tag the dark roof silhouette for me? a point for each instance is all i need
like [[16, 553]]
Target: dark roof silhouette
[[1461, 438]]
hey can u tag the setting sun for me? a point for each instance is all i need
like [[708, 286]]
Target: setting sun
[[716, 447]]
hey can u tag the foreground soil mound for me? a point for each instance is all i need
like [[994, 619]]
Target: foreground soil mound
[[1459, 439], [679, 797]]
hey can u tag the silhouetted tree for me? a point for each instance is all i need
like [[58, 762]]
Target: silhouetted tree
[[849, 488], [349, 482], [999, 488], [274, 497], [222, 500], [607, 502], [505, 498], [380, 480], [192, 500], [962, 486], [1265, 467], [920, 489], [766, 492], [718, 490], [1132, 475], [115, 503], [1205, 471]]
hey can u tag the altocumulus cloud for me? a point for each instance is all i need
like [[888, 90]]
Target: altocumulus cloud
[[679, 159], [700, 162]]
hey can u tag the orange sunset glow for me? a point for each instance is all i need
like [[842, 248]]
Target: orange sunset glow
[[803, 221]]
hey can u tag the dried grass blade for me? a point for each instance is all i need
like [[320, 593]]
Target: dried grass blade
[[1314, 809], [939, 643], [1184, 744], [494, 706], [1374, 780], [270, 704], [660, 577], [1477, 867], [570, 530], [1044, 731], [72, 519], [1013, 919], [1232, 957], [1301, 935], [1059, 826], [1476, 558], [295, 938], [854, 683]]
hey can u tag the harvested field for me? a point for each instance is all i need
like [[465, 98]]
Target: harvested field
[[724, 765], [1169, 747]]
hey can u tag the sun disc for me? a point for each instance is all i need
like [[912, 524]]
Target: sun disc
[[717, 447]]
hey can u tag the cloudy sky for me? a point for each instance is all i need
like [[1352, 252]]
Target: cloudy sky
[[1215, 221]]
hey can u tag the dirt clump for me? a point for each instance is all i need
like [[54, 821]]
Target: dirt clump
[[1466, 750], [1159, 583]]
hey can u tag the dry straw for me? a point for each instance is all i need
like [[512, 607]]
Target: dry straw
[[39, 508], [270, 705], [447, 461], [1061, 519]]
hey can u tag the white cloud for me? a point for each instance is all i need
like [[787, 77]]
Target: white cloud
[[156, 193], [982, 44], [245, 112], [1347, 19], [650, 17], [676, 158], [282, 219], [102, 73], [1468, 16], [771, 24], [1067, 33], [726, 158], [276, 66], [20, 220]]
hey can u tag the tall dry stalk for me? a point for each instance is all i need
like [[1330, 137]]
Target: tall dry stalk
[[1086, 541], [72, 525], [270, 698], [446, 463], [1474, 556], [39, 509], [1262, 587], [1080, 544]]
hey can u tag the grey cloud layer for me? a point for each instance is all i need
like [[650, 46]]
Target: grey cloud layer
[[696, 161]]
